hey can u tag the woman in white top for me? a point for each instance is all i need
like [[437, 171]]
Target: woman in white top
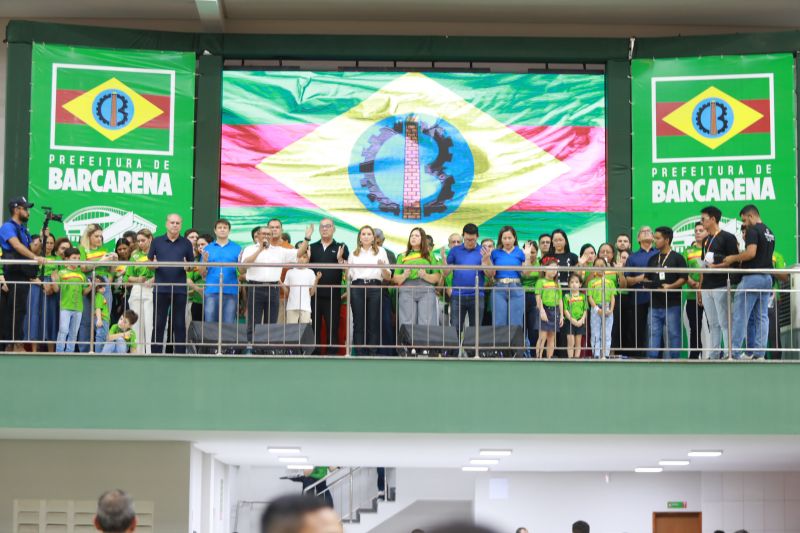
[[365, 291]]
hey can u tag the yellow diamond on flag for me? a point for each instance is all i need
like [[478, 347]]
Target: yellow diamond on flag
[[713, 117], [507, 167], [112, 109]]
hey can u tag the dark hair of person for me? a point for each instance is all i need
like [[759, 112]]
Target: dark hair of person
[[470, 229], [131, 316], [120, 242], [521, 529], [749, 209], [576, 276], [286, 237], [552, 251], [698, 223], [580, 527], [252, 233], [622, 235], [206, 237], [503, 230], [543, 235], [665, 232], [286, 513], [424, 250], [613, 249], [270, 221], [71, 251], [586, 247], [189, 232], [59, 242], [461, 528], [130, 234], [222, 221], [712, 212]]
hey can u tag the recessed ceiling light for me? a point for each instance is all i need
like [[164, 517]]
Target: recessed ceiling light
[[283, 450], [495, 453], [483, 461], [705, 453], [673, 463], [293, 459], [648, 470], [300, 467], [475, 468]]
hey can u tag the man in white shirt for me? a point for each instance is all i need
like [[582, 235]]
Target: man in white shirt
[[263, 282]]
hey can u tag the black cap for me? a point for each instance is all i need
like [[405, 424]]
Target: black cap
[[19, 201]]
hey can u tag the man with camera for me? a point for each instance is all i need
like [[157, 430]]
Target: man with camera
[[15, 240]]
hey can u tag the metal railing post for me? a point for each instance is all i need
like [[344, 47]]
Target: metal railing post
[[478, 319], [220, 304], [348, 339], [729, 317]]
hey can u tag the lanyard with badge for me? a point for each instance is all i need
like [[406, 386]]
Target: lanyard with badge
[[709, 258], [662, 276]]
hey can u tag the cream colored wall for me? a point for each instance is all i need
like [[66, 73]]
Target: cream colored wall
[[82, 470]]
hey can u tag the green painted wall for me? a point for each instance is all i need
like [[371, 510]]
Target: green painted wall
[[398, 395]]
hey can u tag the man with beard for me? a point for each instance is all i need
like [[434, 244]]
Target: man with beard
[[15, 240]]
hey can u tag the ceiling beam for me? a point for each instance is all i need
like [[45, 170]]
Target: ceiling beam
[[212, 15]]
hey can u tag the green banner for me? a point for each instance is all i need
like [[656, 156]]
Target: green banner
[[715, 131], [112, 138]]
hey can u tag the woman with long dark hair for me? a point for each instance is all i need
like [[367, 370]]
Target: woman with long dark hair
[[560, 250], [416, 293]]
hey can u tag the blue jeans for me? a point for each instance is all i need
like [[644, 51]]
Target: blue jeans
[[68, 324], [100, 336], [596, 323], [34, 318], [461, 306], [211, 304], [508, 304], [116, 346], [751, 298], [659, 317]]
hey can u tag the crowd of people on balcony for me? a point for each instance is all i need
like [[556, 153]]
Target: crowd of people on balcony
[[567, 304]]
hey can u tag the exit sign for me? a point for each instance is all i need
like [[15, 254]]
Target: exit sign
[[676, 505]]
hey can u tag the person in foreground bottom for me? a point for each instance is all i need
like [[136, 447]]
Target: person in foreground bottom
[[300, 514]]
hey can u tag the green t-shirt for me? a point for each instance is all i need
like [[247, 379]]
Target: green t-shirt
[[131, 340], [576, 304], [595, 290], [549, 291], [694, 259], [197, 278], [101, 304], [777, 262], [49, 267], [96, 255], [530, 278], [319, 472], [415, 258], [71, 283], [139, 270]]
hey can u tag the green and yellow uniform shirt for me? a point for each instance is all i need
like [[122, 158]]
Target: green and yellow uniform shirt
[[549, 291], [101, 304], [576, 304], [141, 268], [530, 278], [71, 283], [197, 278], [96, 255], [777, 262], [319, 472], [694, 259], [595, 290], [49, 267], [130, 340], [415, 258]]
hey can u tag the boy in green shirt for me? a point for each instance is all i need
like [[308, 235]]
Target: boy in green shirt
[[121, 338], [71, 283], [601, 291], [102, 316], [550, 306]]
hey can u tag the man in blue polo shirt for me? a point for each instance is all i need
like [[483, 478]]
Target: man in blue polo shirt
[[637, 281], [221, 295], [462, 298], [170, 296]]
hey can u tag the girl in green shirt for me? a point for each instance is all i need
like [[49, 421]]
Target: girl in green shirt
[[575, 305]]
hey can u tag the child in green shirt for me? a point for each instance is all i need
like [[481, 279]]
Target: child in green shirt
[[601, 291], [71, 283], [575, 305], [101, 313], [550, 306], [121, 338]]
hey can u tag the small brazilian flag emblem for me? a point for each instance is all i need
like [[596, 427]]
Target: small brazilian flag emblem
[[112, 109], [713, 118]]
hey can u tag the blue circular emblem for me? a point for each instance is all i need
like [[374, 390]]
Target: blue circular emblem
[[411, 168], [713, 117], [113, 109]]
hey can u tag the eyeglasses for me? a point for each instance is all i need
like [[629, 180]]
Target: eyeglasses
[[326, 225]]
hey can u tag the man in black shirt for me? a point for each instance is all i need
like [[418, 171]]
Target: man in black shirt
[[713, 295], [327, 302], [665, 307], [753, 292], [170, 296]]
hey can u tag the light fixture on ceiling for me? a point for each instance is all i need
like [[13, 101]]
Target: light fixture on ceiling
[[648, 470], [495, 453], [474, 468], [295, 460], [484, 461], [300, 467], [705, 453], [676, 462], [283, 450]]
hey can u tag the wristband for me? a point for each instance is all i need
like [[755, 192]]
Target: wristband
[[307, 239]]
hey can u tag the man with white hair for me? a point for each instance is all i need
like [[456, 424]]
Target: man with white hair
[[115, 513], [636, 281]]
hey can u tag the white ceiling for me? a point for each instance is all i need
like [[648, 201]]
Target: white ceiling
[[542, 453], [688, 13]]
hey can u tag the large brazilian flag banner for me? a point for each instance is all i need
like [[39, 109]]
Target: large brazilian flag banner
[[399, 150], [715, 131], [112, 138]]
